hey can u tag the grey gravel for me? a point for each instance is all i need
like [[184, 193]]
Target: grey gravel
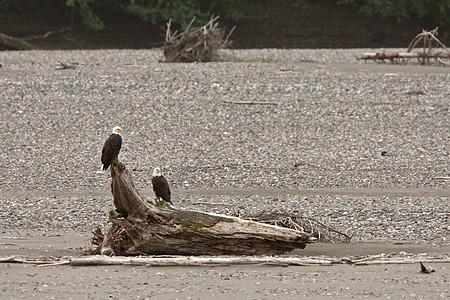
[[335, 117]]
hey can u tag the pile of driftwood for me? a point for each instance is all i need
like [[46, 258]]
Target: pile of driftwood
[[434, 52], [311, 226], [195, 44], [138, 227]]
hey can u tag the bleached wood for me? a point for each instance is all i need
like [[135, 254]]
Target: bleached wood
[[424, 57], [237, 260], [25, 260], [198, 261], [170, 230], [403, 261], [168, 260], [107, 244]]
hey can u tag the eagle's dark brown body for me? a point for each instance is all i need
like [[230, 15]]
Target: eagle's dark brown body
[[161, 188], [111, 150]]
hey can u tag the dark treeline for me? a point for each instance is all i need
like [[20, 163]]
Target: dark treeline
[[182, 11]]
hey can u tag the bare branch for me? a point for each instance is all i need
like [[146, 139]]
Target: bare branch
[[424, 57], [15, 43], [47, 34], [251, 102]]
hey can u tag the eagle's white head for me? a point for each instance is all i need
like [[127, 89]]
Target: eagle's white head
[[117, 130], [157, 172]]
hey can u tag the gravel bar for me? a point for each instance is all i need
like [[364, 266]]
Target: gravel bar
[[337, 124]]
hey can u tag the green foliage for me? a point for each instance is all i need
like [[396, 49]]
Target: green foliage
[[234, 9], [85, 9], [436, 10], [20, 4], [157, 11], [182, 11]]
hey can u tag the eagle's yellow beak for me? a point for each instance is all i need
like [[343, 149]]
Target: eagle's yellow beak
[[120, 130]]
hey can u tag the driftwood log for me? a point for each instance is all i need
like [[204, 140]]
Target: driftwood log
[[15, 43], [425, 57], [402, 57], [148, 261], [167, 260], [140, 227]]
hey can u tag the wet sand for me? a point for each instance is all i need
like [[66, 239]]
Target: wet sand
[[242, 282]]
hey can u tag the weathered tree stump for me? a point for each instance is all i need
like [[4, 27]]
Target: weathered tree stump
[[139, 227]]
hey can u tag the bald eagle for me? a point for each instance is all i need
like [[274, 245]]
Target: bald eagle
[[160, 186], [111, 148]]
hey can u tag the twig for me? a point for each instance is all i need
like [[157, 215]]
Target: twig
[[320, 231], [251, 102], [330, 229], [65, 66], [226, 42], [23, 260], [445, 178], [414, 93], [211, 203]]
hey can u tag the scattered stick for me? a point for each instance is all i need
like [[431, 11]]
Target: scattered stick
[[28, 260], [444, 178], [211, 203], [414, 93], [251, 102], [8, 259], [65, 66], [62, 263]]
